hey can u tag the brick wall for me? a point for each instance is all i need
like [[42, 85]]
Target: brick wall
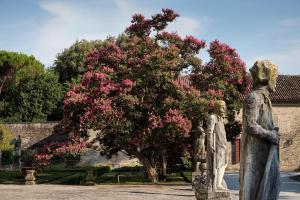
[[287, 118]]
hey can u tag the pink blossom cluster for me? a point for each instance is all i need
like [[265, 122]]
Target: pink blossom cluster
[[215, 94], [155, 122], [127, 83], [70, 151], [223, 55], [193, 43], [72, 97], [139, 26], [174, 117], [42, 159], [142, 27], [110, 54], [92, 58], [107, 69]]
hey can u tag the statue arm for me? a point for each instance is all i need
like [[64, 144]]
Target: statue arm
[[252, 110], [210, 132]]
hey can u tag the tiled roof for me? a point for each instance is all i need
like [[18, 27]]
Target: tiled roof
[[287, 90]]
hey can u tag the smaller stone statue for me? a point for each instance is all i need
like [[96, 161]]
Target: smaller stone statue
[[199, 176], [199, 146], [17, 149], [216, 147]]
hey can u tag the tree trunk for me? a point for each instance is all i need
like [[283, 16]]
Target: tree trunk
[[151, 168], [152, 174]]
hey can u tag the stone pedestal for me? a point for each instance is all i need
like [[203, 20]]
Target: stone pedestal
[[216, 195], [200, 186], [90, 178], [29, 178]]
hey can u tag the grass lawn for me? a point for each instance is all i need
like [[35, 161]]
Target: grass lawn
[[58, 174]]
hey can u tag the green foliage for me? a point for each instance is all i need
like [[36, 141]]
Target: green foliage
[[28, 158], [12, 63], [70, 63], [75, 176], [32, 97], [5, 137], [28, 92], [7, 157]]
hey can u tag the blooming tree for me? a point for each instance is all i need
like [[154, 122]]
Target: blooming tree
[[223, 77], [129, 94], [133, 96]]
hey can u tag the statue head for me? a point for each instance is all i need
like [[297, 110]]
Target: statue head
[[264, 73], [220, 108]]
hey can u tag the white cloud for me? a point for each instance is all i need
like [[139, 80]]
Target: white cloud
[[288, 61], [189, 26], [290, 22], [68, 21]]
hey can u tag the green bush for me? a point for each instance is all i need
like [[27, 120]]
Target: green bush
[[5, 137], [130, 169], [7, 157], [28, 158]]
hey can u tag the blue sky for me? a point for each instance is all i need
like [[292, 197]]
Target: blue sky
[[258, 29]]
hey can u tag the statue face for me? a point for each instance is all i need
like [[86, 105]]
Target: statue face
[[220, 108], [264, 73], [223, 111]]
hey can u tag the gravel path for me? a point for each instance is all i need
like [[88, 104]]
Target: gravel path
[[290, 190]]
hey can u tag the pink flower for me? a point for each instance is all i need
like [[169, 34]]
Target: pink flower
[[127, 83], [99, 75], [107, 69]]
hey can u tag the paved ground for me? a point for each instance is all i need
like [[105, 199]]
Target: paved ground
[[290, 190]]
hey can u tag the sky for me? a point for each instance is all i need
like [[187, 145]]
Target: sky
[[257, 29]]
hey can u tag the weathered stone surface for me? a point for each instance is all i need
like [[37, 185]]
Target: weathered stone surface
[[287, 117], [259, 170], [216, 147], [29, 178], [31, 133]]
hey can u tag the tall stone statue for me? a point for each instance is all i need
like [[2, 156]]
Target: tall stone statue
[[259, 167], [216, 147]]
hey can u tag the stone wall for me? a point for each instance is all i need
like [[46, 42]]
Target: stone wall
[[31, 133], [287, 118], [37, 134]]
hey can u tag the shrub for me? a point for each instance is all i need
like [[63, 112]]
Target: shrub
[[28, 158], [5, 137]]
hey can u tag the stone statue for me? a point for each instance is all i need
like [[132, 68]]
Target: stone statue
[[199, 176], [199, 146], [259, 167], [216, 147], [17, 146], [17, 149]]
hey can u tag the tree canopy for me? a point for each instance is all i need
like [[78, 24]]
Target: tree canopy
[[130, 93], [29, 93], [69, 64]]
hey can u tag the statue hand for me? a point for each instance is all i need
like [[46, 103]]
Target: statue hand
[[275, 136]]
